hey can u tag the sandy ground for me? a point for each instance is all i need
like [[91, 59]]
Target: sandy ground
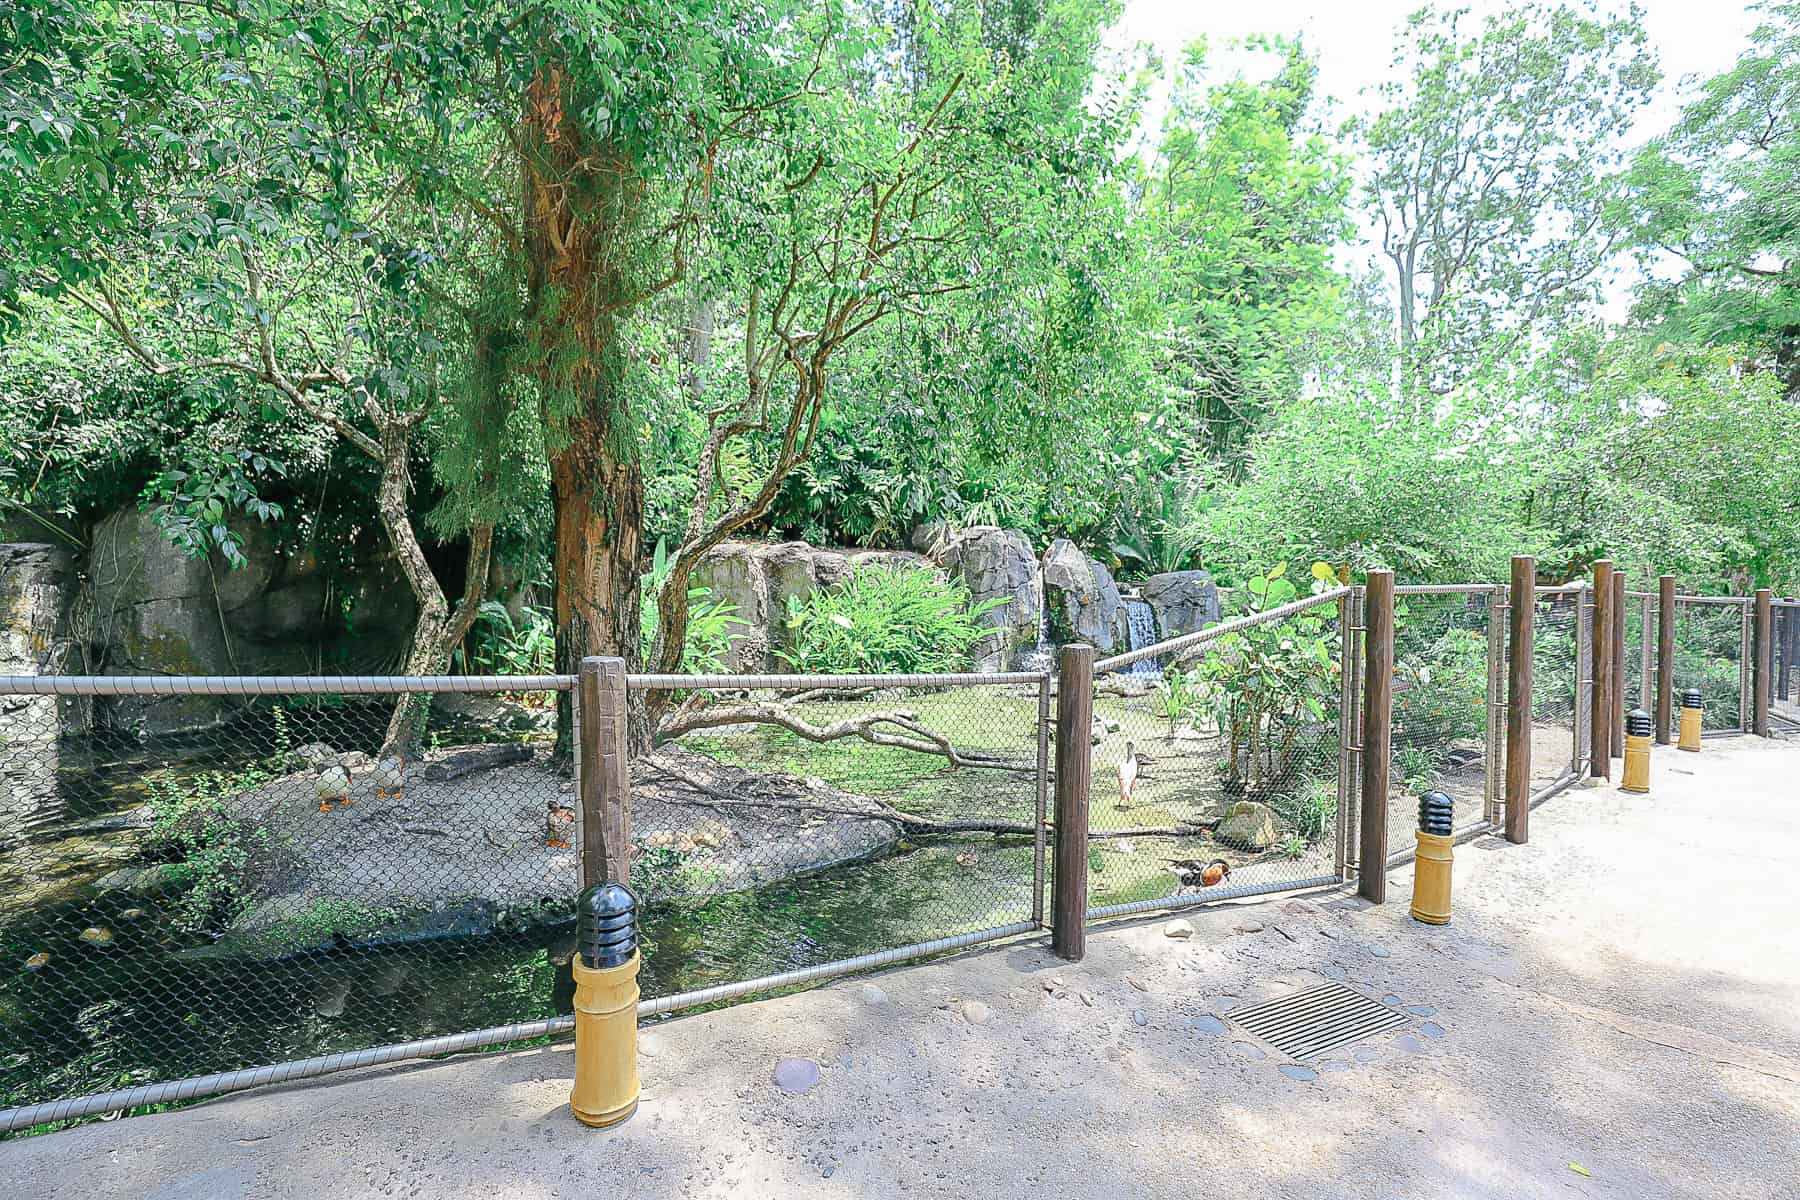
[[1620, 996]]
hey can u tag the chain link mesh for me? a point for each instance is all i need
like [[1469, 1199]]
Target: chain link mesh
[[773, 834], [191, 884], [1557, 661], [1711, 654], [1220, 770], [1785, 684], [1444, 698]]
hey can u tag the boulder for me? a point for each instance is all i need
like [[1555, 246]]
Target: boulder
[[1184, 601], [1081, 598], [998, 564], [1248, 824], [37, 582], [156, 610]]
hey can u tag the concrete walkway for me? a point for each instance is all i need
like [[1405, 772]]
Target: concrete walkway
[[1621, 996]]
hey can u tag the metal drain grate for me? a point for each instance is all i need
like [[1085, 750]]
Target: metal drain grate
[[1305, 1024]]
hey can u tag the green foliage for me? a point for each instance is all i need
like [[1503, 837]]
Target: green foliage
[[1267, 686], [502, 645], [709, 623], [1311, 810], [905, 621], [1440, 677], [1720, 192]]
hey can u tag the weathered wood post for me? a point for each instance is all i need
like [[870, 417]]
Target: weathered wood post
[[1600, 707], [603, 774], [1763, 658], [1618, 617], [1665, 658], [1074, 774], [1520, 647], [1377, 735]]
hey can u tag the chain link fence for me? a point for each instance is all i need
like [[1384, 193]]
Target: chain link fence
[[205, 876], [1712, 653], [785, 824], [1220, 763], [1785, 683], [1448, 691], [1639, 618], [1559, 697]]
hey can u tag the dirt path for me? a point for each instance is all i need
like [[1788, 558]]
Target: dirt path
[[1622, 996]]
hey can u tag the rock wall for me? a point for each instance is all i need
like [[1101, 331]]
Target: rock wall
[[998, 564], [37, 590], [759, 578], [1083, 600], [1184, 602]]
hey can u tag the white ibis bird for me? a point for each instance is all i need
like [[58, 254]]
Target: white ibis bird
[[334, 784], [1194, 873], [390, 777], [559, 825], [1128, 774]]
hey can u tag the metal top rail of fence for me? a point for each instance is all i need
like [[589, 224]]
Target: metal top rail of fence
[[275, 685], [1214, 632]]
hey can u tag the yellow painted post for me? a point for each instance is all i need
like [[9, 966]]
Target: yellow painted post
[[606, 999], [1690, 720], [1432, 862], [1638, 728]]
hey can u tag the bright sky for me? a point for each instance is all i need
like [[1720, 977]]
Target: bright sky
[[1353, 41]]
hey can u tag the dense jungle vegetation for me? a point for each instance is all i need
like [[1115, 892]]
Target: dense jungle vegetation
[[525, 290]]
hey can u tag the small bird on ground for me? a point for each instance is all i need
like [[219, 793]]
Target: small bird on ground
[[1129, 767], [559, 825], [334, 784], [390, 777], [1194, 873]]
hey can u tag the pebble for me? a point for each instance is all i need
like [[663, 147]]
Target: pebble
[[1421, 1010], [873, 995], [1379, 951], [1249, 927], [132, 914], [976, 1013], [796, 1075], [97, 935], [1209, 1024], [649, 1045], [1141, 1017], [1179, 929], [1137, 983]]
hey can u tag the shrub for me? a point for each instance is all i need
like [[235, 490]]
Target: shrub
[[708, 626], [885, 621]]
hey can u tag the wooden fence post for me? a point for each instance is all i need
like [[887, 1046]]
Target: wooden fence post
[[1377, 735], [1520, 649], [1665, 658], [1600, 660], [1763, 658], [1074, 772], [603, 777], [1618, 617]]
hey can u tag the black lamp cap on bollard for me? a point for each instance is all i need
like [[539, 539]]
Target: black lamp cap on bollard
[[606, 925], [1437, 814], [1690, 698], [1638, 723]]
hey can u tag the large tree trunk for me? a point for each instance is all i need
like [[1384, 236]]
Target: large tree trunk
[[582, 199]]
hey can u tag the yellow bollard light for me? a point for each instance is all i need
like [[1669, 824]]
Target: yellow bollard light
[[606, 998], [1637, 751], [1432, 863], [1690, 720]]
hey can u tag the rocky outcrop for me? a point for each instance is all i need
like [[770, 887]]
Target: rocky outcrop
[[997, 564], [37, 588], [153, 609], [1082, 599], [759, 579], [1250, 825], [1184, 602]]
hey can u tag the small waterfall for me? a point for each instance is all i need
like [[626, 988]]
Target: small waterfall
[[1043, 658], [1140, 618]]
